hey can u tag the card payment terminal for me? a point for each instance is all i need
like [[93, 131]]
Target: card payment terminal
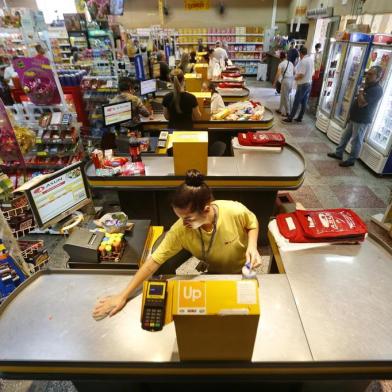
[[154, 305]]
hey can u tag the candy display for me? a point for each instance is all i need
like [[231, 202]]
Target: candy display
[[112, 247], [241, 111]]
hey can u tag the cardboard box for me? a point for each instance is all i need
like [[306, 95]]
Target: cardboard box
[[193, 82], [202, 69], [190, 151], [216, 320], [204, 102]]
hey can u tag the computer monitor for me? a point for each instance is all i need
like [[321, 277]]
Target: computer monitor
[[148, 87], [117, 113], [58, 195]]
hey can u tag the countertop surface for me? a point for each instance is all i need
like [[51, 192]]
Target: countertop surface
[[286, 164], [50, 320], [343, 294]]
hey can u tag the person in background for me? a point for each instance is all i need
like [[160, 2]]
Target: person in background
[[192, 58], [10, 73], [285, 75], [164, 70], [41, 51], [5, 92], [217, 103], [221, 233], [179, 107], [200, 46], [292, 54], [362, 113], [318, 56], [303, 76], [220, 54], [74, 55], [185, 65], [126, 93]]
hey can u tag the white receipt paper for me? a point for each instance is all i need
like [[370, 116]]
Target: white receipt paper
[[246, 293]]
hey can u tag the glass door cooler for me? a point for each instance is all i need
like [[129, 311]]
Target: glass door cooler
[[332, 76], [376, 152], [355, 61]]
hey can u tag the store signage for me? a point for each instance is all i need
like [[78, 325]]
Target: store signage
[[167, 52], [301, 11], [318, 13], [9, 146], [37, 80], [197, 5], [139, 67]]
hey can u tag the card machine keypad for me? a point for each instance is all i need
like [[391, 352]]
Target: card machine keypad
[[154, 306]]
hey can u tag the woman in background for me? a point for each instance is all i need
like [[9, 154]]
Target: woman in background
[[285, 75]]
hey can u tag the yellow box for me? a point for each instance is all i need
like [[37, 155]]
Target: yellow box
[[193, 82], [190, 151], [204, 102], [202, 69], [215, 320]]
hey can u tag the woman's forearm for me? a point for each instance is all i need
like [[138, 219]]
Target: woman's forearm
[[253, 235], [145, 271]]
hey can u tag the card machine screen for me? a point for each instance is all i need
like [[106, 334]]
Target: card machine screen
[[154, 306]]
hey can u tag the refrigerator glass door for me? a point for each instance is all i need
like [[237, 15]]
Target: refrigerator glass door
[[348, 84], [381, 56], [380, 134], [332, 76]]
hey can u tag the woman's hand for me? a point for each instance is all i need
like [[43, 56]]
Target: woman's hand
[[108, 306], [253, 256]]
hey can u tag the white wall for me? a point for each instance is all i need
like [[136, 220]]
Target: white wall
[[144, 13]]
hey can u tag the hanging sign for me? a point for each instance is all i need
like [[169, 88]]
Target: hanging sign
[[197, 5], [139, 67], [9, 146], [37, 79], [300, 11]]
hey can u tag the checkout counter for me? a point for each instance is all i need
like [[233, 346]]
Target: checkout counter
[[327, 318], [250, 177]]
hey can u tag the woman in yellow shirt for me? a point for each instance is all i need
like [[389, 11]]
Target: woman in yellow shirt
[[222, 234]]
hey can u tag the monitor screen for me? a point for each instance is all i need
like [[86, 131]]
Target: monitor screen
[[117, 113], [58, 195], [148, 86], [116, 7]]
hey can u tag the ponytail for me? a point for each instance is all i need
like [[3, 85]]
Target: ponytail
[[178, 79], [194, 193]]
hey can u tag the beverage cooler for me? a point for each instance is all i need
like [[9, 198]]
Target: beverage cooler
[[354, 64], [376, 152], [332, 76]]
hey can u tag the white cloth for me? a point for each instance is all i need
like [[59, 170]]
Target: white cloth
[[220, 55], [318, 56], [285, 245], [217, 103], [10, 73], [289, 72], [306, 68]]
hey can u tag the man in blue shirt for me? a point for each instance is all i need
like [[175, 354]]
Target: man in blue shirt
[[361, 115]]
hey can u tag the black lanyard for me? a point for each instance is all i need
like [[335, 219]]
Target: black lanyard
[[203, 265]]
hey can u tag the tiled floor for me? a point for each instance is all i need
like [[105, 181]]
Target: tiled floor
[[326, 185]]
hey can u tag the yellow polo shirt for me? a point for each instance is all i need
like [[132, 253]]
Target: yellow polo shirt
[[227, 254]]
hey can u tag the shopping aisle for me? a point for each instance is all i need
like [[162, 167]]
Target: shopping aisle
[[327, 185]]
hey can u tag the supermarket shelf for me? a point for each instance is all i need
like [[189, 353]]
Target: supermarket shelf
[[220, 35], [244, 51], [228, 43], [254, 60]]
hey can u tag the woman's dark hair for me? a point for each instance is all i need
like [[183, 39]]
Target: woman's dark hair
[[177, 76], [192, 57], [212, 88], [194, 193], [282, 55], [125, 84]]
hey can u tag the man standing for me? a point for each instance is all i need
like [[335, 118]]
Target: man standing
[[361, 115], [292, 53], [220, 54], [303, 77]]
